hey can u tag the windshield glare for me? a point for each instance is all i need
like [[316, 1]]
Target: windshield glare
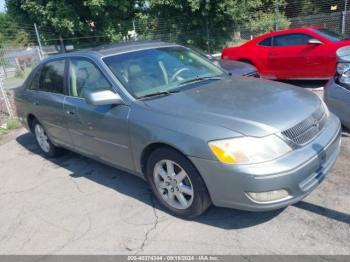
[[330, 35], [158, 70]]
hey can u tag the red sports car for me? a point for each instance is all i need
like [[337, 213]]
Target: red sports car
[[303, 53]]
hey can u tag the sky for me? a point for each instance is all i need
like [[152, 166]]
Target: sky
[[2, 5]]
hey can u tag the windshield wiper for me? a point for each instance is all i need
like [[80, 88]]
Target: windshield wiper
[[199, 79], [163, 93]]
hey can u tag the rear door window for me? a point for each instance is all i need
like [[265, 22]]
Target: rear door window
[[52, 77], [291, 40], [34, 83], [266, 42]]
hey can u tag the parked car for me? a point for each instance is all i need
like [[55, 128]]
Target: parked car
[[197, 135], [302, 53], [337, 90]]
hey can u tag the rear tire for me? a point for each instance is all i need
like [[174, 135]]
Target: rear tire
[[44, 142], [177, 184]]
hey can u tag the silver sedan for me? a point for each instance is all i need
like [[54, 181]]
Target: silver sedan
[[169, 115]]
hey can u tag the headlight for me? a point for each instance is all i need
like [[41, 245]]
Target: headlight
[[343, 69], [249, 150]]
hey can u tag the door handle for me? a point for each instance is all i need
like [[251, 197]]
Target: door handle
[[70, 112]]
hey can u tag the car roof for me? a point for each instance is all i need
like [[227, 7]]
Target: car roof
[[284, 31], [115, 48], [288, 31], [295, 30]]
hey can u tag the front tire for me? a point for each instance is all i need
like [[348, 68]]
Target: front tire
[[44, 142], [177, 184]]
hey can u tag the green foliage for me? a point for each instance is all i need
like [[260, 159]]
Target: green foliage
[[75, 19], [212, 24], [10, 34], [309, 7], [266, 22], [208, 24], [13, 123], [3, 131]]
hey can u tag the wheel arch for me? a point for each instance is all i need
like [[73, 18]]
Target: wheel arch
[[147, 151], [30, 119]]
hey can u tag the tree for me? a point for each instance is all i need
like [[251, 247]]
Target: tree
[[264, 22], [11, 34], [210, 24], [75, 20]]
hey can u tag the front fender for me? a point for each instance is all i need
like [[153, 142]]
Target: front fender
[[189, 137]]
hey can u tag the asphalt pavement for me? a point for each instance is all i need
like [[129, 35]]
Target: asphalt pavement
[[74, 205]]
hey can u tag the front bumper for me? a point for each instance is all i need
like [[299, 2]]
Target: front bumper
[[298, 172]]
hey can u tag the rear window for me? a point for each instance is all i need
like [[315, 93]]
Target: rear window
[[266, 42]]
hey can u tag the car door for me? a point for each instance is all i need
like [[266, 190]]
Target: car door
[[320, 60], [97, 131], [289, 56], [46, 93], [261, 53]]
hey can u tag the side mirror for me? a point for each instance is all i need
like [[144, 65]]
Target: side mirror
[[315, 41], [106, 97]]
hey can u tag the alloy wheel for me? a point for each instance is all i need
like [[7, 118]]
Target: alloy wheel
[[42, 138], [173, 184]]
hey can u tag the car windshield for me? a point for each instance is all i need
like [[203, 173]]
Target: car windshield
[[330, 35], [160, 70]]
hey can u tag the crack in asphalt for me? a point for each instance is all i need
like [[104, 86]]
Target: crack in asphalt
[[152, 228]]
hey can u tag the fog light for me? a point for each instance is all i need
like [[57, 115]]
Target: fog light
[[270, 196]]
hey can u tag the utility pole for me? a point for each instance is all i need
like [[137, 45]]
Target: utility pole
[[343, 27], [208, 37], [277, 11], [4, 96], [39, 42], [63, 48], [134, 28]]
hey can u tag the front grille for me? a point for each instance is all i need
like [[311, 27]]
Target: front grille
[[308, 129]]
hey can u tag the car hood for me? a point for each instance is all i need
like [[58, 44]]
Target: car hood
[[236, 67], [248, 106]]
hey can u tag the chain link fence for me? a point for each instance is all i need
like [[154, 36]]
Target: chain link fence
[[337, 21], [15, 65]]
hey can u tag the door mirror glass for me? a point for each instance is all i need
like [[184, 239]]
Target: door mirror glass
[[315, 41], [105, 97]]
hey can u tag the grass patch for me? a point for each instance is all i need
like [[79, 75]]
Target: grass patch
[[13, 123], [3, 131]]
